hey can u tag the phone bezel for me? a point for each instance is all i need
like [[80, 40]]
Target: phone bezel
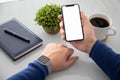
[[80, 21]]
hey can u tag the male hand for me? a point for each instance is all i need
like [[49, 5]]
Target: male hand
[[60, 56], [89, 36]]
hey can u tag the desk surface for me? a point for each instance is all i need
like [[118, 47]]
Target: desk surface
[[84, 68]]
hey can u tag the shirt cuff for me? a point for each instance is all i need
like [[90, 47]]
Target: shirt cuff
[[94, 48], [43, 67]]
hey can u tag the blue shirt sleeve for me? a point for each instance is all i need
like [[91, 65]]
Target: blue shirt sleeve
[[34, 71], [106, 59]]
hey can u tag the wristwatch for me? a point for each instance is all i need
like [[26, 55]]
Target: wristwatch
[[45, 61]]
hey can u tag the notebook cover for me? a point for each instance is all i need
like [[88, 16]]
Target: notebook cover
[[16, 47]]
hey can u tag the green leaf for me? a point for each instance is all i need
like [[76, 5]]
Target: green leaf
[[47, 16]]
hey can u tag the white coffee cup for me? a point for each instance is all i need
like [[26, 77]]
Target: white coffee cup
[[102, 33]]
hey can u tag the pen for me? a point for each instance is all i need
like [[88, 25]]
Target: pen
[[16, 35]]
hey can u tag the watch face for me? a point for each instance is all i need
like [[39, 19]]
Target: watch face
[[43, 59]]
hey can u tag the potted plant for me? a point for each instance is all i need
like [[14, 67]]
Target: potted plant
[[47, 16]]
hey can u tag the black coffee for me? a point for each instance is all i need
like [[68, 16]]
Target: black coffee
[[99, 22]]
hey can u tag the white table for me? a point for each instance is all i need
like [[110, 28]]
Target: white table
[[84, 68]]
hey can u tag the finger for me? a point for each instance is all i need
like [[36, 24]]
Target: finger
[[85, 20], [71, 61], [61, 28], [61, 25], [62, 32], [62, 45], [69, 52], [60, 17], [63, 37]]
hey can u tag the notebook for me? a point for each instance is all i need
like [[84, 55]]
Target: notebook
[[17, 40]]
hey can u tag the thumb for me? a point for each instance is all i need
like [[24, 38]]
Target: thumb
[[71, 61]]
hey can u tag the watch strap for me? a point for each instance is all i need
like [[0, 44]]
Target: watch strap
[[45, 61]]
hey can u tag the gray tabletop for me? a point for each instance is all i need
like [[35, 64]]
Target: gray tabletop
[[84, 68]]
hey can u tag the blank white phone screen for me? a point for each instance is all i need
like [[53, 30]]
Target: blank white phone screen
[[72, 23]]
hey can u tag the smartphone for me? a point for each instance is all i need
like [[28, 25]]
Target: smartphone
[[72, 22]]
